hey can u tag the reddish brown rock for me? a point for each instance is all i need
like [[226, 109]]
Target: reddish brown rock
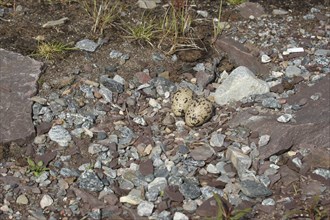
[[249, 8], [18, 83], [241, 56], [312, 127], [146, 167]]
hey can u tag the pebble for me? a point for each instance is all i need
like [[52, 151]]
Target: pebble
[[115, 54], [180, 216], [134, 197], [284, 118], [265, 58], [279, 12], [190, 206], [217, 139], [271, 103], [202, 152], [268, 202], [204, 14], [22, 200], [145, 208], [263, 140], [87, 45], [90, 181], [60, 135], [46, 201], [190, 189], [322, 172], [292, 71], [254, 189]]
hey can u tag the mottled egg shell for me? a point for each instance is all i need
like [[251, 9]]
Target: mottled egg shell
[[198, 112], [181, 100]]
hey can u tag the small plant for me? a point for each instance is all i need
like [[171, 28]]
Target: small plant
[[217, 27], [314, 211], [103, 13], [36, 168], [236, 2], [226, 211], [176, 26], [49, 50], [145, 30]]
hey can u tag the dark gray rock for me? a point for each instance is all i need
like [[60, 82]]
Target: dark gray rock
[[254, 189], [90, 181], [190, 189], [18, 83], [111, 84]]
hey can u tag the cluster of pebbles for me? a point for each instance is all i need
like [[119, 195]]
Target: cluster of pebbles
[[121, 149]]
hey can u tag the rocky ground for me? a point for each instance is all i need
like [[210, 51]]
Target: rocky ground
[[101, 119]]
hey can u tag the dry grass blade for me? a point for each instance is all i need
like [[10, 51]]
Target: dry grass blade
[[103, 13]]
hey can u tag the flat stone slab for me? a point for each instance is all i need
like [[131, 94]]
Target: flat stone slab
[[311, 129], [241, 56], [18, 83]]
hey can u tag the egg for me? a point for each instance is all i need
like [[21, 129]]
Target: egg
[[181, 100], [198, 112]]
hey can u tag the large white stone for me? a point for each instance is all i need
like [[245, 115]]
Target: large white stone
[[239, 84]]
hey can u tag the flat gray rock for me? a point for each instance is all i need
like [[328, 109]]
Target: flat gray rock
[[239, 84], [18, 83]]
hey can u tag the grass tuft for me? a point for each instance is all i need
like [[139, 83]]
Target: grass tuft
[[50, 50], [103, 13]]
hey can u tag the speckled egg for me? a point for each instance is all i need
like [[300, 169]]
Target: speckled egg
[[198, 112], [181, 100]]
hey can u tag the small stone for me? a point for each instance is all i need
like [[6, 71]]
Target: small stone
[[264, 140], [199, 67], [146, 167], [271, 103], [96, 148], [265, 58], [254, 189], [212, 169], [115, 54], [246, 150], [22, 200], [106, 94], [202, 152], [217, 139], [90, 181], [204, 14], [111, 84], [190, 189], [180, 216], [145, 208], [322, 172], [87, 45], [268, 202], [279, 12], [153, 103], [134, 197], [158, 184], [190, 206], [140, 120], [66, 172], [297, 162], [284, 118], [46, 201], [60, 135], [240, 161], [292, 71], [322, 52]]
